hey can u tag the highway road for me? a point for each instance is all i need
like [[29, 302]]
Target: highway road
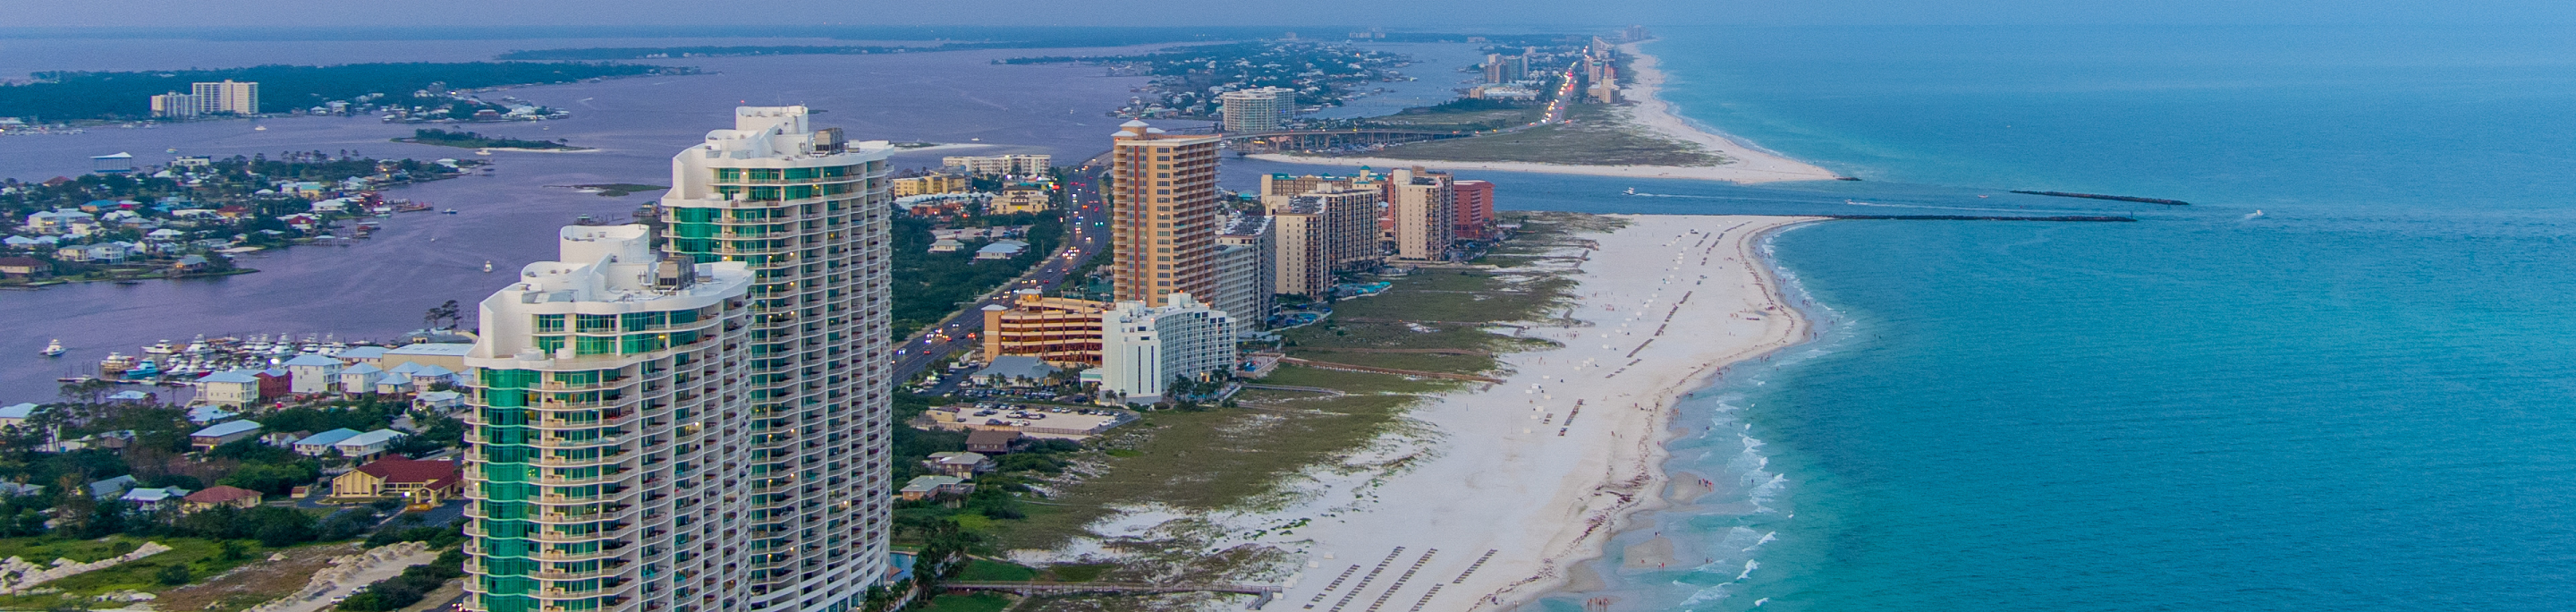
[[956, 333]]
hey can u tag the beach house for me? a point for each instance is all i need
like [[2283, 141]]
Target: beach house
[[154, 498], [233, 388], [961, 465], [360, 378], [367, 445], [17, 414], [933, 487], [312, 373]]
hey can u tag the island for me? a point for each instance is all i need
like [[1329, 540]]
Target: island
[[67, 96], [471, 140]]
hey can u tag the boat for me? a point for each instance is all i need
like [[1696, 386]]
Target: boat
[[487, 265], [1632, 191], [54, 349], [161, 348], [482, 151], [261, 128], [114, 365], [143, 369], [450, 211]]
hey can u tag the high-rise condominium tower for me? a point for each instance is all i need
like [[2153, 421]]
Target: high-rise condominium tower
[[1162, 213], [607, 411], [1424, 208], [807, 212]]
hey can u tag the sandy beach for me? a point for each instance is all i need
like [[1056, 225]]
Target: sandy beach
[[1519, 480], [1651, 113]]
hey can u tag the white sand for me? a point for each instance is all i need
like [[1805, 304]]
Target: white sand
[[1746, 165], [1526, 496]]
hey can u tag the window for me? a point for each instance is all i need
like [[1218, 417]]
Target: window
[[597, 323], [549, 343], [591, 345], [728, 174], [553, 323]]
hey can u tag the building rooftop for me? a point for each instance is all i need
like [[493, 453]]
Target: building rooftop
[[441, 349], [227, 428], [371, 438], [329, 437], [403, 470], [312, 360]]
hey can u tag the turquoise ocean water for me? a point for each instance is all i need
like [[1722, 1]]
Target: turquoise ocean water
[[2363, 398]]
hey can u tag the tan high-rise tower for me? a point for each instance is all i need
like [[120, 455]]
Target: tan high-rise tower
[[1162, 213], [1424, 208]]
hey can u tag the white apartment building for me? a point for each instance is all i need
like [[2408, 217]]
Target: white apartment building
[[809, 213], [1425, 211], [606, 393], [1260, 109], [176, 105], [1015, 165], [226, 96], [1245, 270], [1144, 347]]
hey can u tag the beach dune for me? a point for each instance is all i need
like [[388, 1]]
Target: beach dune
[[1528, 476]]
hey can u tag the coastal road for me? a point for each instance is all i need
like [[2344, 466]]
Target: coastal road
[[956, 332]]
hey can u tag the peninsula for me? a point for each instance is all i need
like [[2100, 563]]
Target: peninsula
[[1712, 156]]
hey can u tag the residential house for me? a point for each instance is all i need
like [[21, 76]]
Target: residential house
[[317, 445], [961, 465], [17, 414], [1001, 249], [153, 499], [275, 382], [359, 378], [221, 495], [24, 268], [991, 441], [112, 488], [363, 355], [233, 388], [440, 402], [222, 433], [933, 487], [209, 415], [312, 373], [419, 481], [367, 445]]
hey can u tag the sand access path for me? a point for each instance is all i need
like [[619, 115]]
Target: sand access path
[[1527, 477], [1652, 114]]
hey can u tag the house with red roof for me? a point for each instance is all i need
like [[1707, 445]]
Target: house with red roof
[[222, 495]]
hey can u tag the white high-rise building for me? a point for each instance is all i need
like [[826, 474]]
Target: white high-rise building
[[1260, 109], [176, 105], [808, 212], [607, 406], [1144, 347], [226, 96], [762, 458]]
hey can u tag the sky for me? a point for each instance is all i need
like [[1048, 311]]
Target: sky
[[1405, 14]]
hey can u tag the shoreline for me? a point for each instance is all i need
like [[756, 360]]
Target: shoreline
[[1491, 509], [1650, 113]]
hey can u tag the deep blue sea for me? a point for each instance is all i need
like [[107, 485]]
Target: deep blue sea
[[2363, 398]]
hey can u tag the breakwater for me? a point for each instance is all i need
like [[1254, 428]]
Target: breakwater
[[2096, 196], [2064, 219]]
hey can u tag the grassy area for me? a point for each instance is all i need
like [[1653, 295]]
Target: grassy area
[[200, 556], [1598, 135], [981, 570], [978, 602], [1471, 118]]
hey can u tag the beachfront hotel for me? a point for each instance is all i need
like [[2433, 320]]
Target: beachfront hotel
[[1302, 263], [605, 392], [1162, 213], [1245, 252], [773, 476]]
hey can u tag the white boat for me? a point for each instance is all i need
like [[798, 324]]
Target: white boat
[[55, 348], [261, 128], [1632, 191], [487, 265], [162, 348]]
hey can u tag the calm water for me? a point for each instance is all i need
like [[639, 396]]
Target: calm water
[[2358, 400]]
